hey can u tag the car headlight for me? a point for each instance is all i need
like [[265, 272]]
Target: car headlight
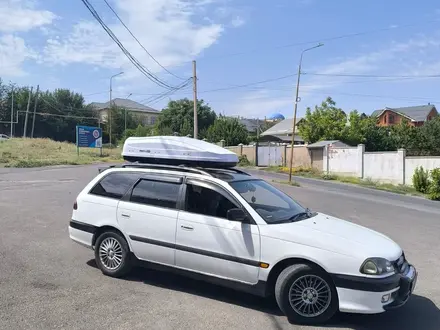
[[377, 266]]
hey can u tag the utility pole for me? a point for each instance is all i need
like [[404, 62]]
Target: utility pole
[[195, 99], [297, 99], [35, 110], [258, 141], [111, 108], [27, 113], [12, 112]]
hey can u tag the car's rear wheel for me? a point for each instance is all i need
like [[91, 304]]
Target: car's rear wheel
[[306, 294], [112, 254]]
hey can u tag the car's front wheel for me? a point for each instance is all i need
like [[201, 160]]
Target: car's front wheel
[[112, 254], [306, 295]]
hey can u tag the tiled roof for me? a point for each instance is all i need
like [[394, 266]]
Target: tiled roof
[[283, 127], [250, 124], [124, 103], [415, 113], [321, 144]]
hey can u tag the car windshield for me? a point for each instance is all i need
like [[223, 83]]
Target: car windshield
[[270, 203]]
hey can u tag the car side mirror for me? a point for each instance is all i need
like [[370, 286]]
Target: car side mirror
[[237, 215]]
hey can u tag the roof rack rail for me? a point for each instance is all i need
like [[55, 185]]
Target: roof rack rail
[[231, 169], [168, 167]]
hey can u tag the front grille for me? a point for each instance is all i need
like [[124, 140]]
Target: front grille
[[401, 265]]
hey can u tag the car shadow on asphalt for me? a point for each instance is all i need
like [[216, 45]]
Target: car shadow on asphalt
[[181, 283], [418, 313]]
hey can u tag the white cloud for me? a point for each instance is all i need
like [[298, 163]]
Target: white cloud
[[21, 16], [166, 28], [257, 104], [237, 21], [388, 60], [13, 52]]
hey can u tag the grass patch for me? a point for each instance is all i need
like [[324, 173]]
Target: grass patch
[[293, 183], [18, 152], [367, 182], [299, 171]]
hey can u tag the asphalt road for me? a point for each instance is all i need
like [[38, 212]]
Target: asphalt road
[[49, 282]]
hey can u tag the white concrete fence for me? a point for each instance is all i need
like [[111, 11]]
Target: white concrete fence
[[385, 166]]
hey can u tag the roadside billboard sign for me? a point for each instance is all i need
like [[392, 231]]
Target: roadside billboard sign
[[88, 137]]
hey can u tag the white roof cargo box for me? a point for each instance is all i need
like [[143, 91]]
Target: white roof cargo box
[[177, 150]]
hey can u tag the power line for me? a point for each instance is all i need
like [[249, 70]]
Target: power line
[[153, 100], [249, 84], [343, 36], [132, 59], [97, 93], [59, 107], [404, 98], [154, 97], [368, 75], [290, 88], [137, 40], [63, 116], [391, 77]]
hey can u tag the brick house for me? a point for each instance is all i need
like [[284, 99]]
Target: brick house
[[415, 116]]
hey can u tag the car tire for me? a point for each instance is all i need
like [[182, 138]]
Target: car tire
[[306, 294], [112, 254]]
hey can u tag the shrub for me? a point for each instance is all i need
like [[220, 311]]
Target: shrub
[[243, 161], [420, 179], [329, 176], [434, 186]]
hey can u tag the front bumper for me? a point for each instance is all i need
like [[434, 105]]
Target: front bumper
[[406, 288], [369, 295]]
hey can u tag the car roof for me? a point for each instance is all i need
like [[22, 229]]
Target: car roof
[[229, 176], [224, 174]]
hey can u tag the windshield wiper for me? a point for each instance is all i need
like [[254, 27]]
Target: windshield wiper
[[306, 213]]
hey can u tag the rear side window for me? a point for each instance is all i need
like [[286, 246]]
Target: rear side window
[[114, 185], [156, 193]]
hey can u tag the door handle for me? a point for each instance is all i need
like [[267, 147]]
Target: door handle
[[187, 227], [125, 215]]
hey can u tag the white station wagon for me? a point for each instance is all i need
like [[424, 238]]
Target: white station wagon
[[232, 229], [229, 228]]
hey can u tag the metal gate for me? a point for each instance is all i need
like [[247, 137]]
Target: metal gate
[[271, 155]]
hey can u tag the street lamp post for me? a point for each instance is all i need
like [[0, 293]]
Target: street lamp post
[[110, 112], [296, 107], [125, 118]]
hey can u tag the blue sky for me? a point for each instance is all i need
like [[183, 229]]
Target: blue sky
[[58, 44]]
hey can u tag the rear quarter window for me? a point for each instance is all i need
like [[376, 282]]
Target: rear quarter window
[[156, 193], [114, 185]]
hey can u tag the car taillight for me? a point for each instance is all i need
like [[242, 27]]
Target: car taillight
[[75, 205]]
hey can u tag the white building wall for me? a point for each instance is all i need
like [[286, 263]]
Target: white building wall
[[384, 166], [411, 163], [343, 161]]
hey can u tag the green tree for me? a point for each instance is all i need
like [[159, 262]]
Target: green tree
[[178, 117], [118, 123], [406, 136], [355, 130], [326, 122], [57, 112], [429, 139], [139, 131], [228, 129]]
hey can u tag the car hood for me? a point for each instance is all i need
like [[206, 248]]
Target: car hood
[[332, 234]]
